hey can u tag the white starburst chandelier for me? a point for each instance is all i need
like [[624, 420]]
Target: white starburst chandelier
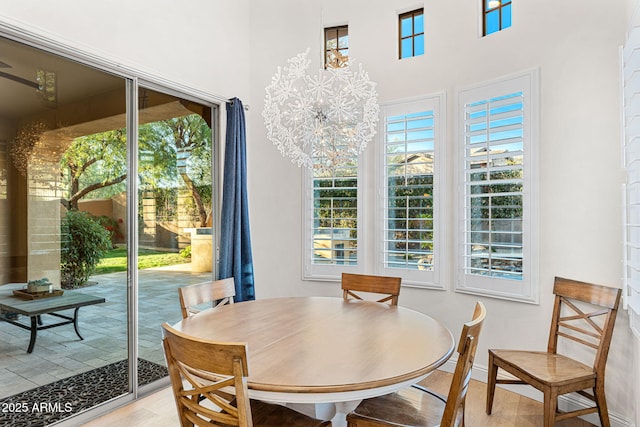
[[322, 121]]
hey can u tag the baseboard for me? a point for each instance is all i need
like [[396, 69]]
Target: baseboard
[[567, 402]]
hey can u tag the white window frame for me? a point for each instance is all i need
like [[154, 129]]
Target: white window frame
[[330, 272], [437, 104], [630, 94], [526, 289]]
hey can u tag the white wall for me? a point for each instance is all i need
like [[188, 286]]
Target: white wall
[[198, 43], [575, 45]]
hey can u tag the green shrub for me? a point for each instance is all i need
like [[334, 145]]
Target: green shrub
[[186, 252], [84, 242]]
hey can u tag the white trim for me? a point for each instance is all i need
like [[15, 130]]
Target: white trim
[[525, 290], [623, 164], [629, 63], [480, 15], [311, 271], [438, 103]]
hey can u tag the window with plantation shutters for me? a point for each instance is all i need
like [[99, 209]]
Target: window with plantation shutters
[[409, 233], [631, 110], [497, 164], [331, 222], [494, 190]]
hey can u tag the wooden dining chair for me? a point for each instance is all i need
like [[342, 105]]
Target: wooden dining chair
[[354, 283], [218, 292], [577, 307], [417, 406], [209, 382]]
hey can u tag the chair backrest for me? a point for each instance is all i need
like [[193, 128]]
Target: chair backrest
[[575, 323], [353, 283], [203, 368], [219, 292], [462, 375]]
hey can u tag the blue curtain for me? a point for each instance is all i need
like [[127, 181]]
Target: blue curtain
[[235, 241]]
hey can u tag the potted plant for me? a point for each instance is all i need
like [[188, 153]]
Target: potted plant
[[39, 285]]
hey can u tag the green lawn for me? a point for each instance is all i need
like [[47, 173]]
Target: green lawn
[[116, 260]]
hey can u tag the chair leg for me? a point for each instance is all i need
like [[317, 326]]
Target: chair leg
[[491, 383], [550, 407], [601, 403]]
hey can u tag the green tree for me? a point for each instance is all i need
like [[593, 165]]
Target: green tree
[[93, 162], [171, 151], [191, 137]]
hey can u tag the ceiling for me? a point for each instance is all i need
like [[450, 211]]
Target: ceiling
[[87, 100], [19, 65]]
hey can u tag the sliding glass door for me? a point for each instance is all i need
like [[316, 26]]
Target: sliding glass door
[[82, 198], [175, 212], [62, 195]]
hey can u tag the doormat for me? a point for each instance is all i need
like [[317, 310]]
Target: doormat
[[50, 403]]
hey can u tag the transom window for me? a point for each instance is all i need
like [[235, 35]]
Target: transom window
[[336, 47], [497, 15], [411, 26]]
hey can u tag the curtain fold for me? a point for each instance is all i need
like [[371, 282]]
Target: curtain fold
[[236, 259]]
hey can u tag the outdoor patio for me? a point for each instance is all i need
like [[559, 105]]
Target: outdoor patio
[[59, 353]]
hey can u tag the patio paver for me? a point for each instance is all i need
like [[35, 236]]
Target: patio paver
[[59, 353]]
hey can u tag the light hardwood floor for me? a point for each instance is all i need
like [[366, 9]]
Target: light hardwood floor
[[509, 409]]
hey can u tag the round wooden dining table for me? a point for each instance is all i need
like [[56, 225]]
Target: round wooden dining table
[[321, 355]]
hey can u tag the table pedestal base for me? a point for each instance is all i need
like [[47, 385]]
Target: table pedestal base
[[336, 412]]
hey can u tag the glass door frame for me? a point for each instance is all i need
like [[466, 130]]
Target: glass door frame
[[134, 79], [132, 214]]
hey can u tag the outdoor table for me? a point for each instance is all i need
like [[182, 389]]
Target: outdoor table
[[35, 308]]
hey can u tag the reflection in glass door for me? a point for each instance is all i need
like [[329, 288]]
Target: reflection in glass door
[[68, 225], [62, 210], [175, 210]]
